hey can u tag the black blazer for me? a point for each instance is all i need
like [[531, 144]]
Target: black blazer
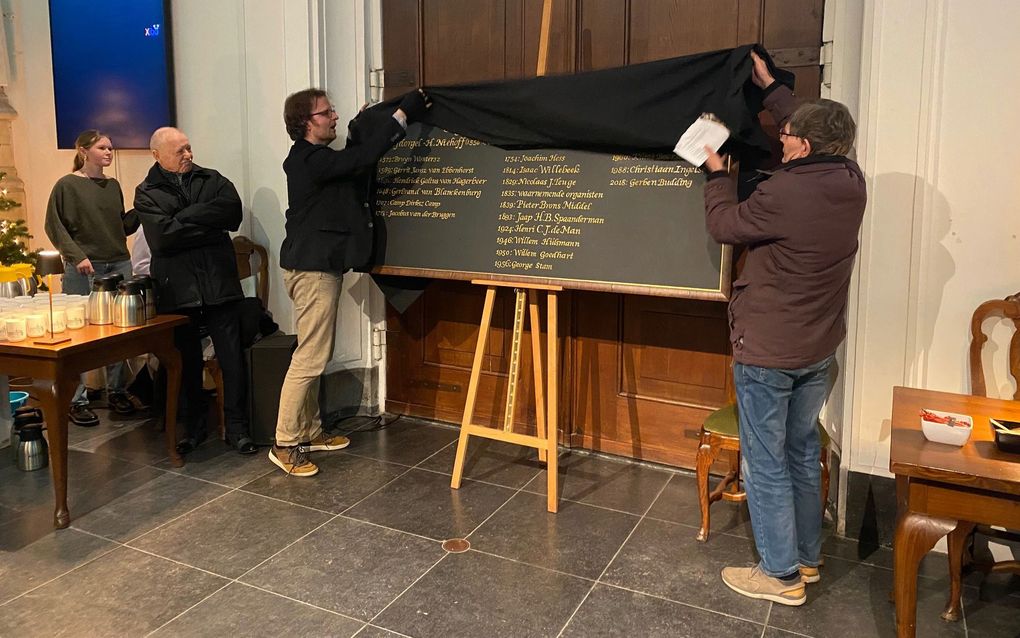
[[329, 217]]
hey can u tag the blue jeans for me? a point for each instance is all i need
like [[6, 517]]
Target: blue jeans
[[74, 283], [780, 454]]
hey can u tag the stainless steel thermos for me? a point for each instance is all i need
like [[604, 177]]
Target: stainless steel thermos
[[104, 290], [129, 305]]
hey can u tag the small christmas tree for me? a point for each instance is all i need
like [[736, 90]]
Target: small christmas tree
[[14, 235]]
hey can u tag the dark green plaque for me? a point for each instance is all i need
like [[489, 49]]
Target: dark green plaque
[[452, 207]]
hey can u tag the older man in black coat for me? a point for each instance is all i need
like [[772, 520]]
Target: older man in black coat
[[187, 212]]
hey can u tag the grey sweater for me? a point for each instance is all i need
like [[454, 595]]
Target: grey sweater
[[85, 218]]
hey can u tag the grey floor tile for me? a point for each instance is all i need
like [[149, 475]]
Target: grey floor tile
[[423, 503], [239, 610], [933, 565], [490, 461], [678, 503], [215, 461], [992, 610], [232, 534], [124, 593], [613, 612], [579, 539], [342, 481], [473, 594], [148, 506], [87, 474], [52, 555], [857, 595], [772, 632], [138, 443], [376, 632], [597, 481], [664, 559], [86, 438], [348, 567], [407, 442]]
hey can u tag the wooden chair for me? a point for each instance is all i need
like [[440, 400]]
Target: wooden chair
[[246, 251], [719, 433], [1008, 308]]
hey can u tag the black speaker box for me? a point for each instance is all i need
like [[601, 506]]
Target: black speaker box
[[268, 361]]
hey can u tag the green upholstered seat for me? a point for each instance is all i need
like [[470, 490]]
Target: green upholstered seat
[[725, 421]]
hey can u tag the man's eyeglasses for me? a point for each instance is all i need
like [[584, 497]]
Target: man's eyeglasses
[[327, 112], [786, 134]]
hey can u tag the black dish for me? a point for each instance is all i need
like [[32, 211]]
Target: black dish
[[1007, 441]]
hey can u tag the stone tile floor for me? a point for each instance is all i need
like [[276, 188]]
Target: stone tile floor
[[228, 545]]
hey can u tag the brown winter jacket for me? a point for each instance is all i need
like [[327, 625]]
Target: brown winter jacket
[[800, 226]]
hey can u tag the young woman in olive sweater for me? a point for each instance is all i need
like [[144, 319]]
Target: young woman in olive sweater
[[87, 223]]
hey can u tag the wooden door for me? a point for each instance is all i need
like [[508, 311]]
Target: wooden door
[[639, 374]]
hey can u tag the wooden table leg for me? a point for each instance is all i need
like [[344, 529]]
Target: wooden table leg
[[55, 397], [916, 534], [170, 359], [957, 541]]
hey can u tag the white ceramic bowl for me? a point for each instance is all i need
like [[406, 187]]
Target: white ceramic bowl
[[949, 434]]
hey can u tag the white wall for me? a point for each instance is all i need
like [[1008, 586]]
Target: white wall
[[234, 63], [938, 97]]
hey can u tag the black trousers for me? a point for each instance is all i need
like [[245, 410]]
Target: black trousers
[[222, 324]]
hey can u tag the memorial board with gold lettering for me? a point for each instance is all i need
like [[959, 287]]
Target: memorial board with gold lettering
[[451, 207]]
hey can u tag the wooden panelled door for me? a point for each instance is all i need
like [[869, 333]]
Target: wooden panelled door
[[639, 374]]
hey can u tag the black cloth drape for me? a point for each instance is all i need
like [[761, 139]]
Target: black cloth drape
[[642, 108]]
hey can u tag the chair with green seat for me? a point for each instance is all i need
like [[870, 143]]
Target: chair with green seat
[[719, 433]]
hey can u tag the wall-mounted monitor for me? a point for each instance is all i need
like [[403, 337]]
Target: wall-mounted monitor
[[112, 69]]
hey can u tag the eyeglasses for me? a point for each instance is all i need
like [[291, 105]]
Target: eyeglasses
[[785, 134], [327, 112]]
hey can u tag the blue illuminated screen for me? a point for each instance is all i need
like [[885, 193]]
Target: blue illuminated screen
[[112, 69]]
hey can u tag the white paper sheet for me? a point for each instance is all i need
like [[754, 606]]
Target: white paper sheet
[[706, 131]]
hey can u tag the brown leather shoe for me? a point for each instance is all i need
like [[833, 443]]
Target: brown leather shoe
[[293, 460], [324, 443]]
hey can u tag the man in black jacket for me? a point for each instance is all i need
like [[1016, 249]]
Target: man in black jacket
[[329, 231], [187, 212]]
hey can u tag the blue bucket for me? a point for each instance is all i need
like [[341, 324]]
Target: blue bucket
[[17, 399]]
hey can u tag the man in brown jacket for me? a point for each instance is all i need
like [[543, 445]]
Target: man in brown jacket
[[787, 317]]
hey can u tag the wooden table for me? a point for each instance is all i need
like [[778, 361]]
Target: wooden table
[[945, 490], [56, 373]]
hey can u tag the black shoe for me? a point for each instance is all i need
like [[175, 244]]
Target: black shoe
[[243, 445], [83, 416], [120, 403], [189, 444]]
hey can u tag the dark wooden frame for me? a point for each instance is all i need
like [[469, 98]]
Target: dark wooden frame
[[720, 294]]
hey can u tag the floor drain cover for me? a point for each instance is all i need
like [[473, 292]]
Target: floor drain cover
[[456, 545]]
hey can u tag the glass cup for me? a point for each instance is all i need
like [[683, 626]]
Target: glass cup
[[35, 325], [17, 329], [59, 320], [76, 316]]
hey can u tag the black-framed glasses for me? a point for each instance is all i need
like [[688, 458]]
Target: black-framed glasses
[[327, 112], [786, 134]]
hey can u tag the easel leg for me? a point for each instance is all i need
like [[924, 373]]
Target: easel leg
[[472, 395], [515, 361], [552, 460], [536, 349]]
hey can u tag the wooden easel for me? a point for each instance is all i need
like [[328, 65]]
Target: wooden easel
[[545, 440]]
